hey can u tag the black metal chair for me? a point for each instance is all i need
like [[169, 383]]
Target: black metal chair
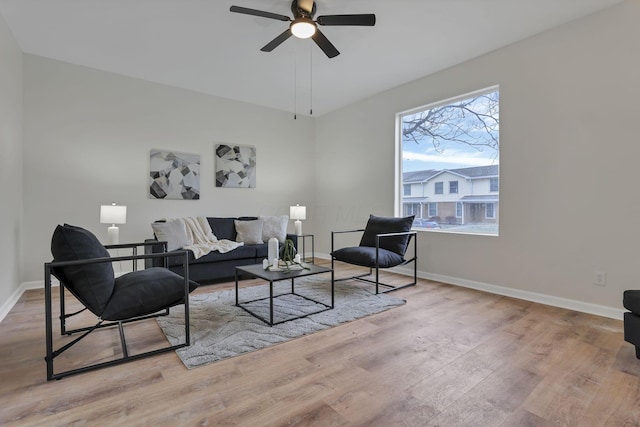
[[631, 301], [84, 268], [383, 245]]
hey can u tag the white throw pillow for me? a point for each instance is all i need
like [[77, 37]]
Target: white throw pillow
[[274, 226], [249, 232], [173, 232]]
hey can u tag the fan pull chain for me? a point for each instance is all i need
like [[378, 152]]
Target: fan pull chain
[[310, 80], [295, 87]]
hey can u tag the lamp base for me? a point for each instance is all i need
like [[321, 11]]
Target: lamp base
[[298, 225], [113, 237]]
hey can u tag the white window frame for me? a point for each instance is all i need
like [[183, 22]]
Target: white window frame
[[413, 209], [493, 210], [491, 186], [435, 209], [435, 187], [398, 193]]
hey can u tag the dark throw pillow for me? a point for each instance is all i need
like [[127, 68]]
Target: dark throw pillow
[[92, 284], [380, 225]]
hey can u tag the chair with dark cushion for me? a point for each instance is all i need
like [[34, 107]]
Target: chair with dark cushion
[[384, 244], [84, 268], [631, 301]]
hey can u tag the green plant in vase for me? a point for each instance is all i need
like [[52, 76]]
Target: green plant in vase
[[288, 256]]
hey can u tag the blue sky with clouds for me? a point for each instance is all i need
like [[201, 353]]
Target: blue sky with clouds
[[423, 155]]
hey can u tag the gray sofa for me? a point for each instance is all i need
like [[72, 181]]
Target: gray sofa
[[216, 266]]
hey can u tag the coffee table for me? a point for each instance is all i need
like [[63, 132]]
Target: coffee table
[[257, 271]]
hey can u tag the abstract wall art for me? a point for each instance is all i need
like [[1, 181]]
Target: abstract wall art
[[174, 175], [235, 166]]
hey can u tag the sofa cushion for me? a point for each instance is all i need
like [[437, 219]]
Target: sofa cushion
[[380, 225], [173, 232], [241, 252], [223, 228], [145, 292], [262, 251], [91, 283], [274, 226], [249, 232]]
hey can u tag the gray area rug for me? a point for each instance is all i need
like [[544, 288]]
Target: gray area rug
[[220, 330]]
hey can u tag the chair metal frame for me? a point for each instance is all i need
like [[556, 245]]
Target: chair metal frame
[[126, 357], [362, 277]]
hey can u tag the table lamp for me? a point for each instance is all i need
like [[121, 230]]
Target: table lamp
[[298, 212], [113, 214]]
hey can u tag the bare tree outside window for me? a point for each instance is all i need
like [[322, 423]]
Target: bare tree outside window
[[456, 140]]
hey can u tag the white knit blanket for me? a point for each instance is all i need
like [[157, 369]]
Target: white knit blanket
[[201, 238]]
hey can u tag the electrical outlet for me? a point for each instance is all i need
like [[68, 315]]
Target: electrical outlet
[[600, 278]]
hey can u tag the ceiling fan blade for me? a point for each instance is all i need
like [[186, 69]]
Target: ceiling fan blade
[[261, 13], [277, 41], [323, 43], [365, 19]]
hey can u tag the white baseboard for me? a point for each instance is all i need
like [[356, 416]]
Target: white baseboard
[[581, 306], [15, 296], [8, 304], [25, 286], [570, 304], [584, 307]]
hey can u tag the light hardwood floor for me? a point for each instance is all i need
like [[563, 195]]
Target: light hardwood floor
[[449, 357]]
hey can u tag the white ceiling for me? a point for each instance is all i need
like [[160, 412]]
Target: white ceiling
[[201, 46]]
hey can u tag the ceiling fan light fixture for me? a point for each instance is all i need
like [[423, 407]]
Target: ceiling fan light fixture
[[303, 28]]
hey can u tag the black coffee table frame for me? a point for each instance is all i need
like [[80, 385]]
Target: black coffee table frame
[[257, 271]]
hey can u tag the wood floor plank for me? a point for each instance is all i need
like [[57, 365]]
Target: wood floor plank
[[450, 357], [616, 402]]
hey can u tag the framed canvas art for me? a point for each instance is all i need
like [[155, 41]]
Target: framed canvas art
[[235, 166], [174, 175]]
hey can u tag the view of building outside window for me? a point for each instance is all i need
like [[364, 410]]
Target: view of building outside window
[[450, 164]]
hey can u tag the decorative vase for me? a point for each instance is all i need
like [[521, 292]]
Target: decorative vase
[[273, 249]]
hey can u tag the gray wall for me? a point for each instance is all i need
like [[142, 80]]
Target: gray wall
[[11, 224], [569, 151], [87, 139]]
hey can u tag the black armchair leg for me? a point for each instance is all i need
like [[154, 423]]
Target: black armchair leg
[[123, 341]]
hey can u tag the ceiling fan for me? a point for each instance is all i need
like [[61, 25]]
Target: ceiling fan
[[303, 26]]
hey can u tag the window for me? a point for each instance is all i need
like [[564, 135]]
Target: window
[[494, 185], [407, 189], [411, 209], [454, 141], [491, 211], [433, 209], [439, 188]]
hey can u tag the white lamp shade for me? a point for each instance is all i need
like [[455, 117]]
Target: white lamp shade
[[298, 212], [112, 214]]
